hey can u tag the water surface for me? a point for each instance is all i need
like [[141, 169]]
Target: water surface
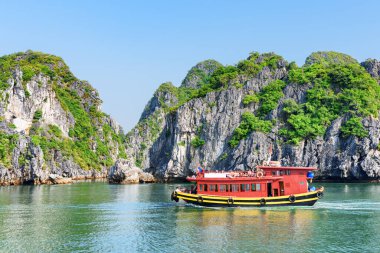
[[97, 217]]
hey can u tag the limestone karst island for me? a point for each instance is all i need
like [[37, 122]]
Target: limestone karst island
[[322, 114]]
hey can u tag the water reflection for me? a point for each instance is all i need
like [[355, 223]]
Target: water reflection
[[243, 227]]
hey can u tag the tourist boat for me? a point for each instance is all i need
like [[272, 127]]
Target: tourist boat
[[268, 185]]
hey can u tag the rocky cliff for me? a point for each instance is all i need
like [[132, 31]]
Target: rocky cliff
[[52, 128], [322, 114]]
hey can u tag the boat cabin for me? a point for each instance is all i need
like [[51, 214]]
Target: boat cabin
[[266, 181]]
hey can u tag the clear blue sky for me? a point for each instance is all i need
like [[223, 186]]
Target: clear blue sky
[[126, 49]]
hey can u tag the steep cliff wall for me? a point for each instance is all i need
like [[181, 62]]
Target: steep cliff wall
[[322, 114], [51, 124]]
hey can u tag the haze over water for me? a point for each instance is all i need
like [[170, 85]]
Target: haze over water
[[100, 217]]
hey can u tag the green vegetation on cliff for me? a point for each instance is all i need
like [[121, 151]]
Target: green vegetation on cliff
[[92, 142], [197, 142], [7, 144], [354, 127], [250, 98], [222, 78], [329, 57], [32, 63], [249, 123], [268, 98], [337, 89], [256, 62]]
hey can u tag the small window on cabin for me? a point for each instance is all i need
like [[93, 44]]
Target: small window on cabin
[[205, 188], [273, 173], [227, 187], [244, 187], [216, 187], [201, 187], [253, 187], [222, 188], [281, 172], [212, 187], [287, 172], [258, 187], [235, 187]]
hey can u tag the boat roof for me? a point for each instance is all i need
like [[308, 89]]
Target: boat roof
[[286, 167]]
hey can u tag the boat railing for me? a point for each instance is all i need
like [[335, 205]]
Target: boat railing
[[233, 174]]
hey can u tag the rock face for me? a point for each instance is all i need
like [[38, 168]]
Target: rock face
[[56, 179], [51, 126], [123, 172], [325, 114], [373, 67], [199, 72], [163, 141]]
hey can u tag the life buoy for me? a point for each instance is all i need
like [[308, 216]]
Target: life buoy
[[292, 198], [263, 202], [200, 199], [319, 194], [230, 201], [260, 174]]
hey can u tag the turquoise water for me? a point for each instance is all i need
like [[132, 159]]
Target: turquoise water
[[97, 217]]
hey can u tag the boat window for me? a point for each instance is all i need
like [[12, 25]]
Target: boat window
[[235, 187], [273, 173], [253, 187], [227, 187], [281, 172], [222, 188], [212, 187], [244, 187], [258, 187], [201, 187], [205, 187], [287, 172]]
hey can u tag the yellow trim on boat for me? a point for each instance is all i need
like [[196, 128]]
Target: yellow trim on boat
[[248, 203], [237, 199]]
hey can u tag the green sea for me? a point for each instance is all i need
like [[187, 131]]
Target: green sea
[[98, 217]]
